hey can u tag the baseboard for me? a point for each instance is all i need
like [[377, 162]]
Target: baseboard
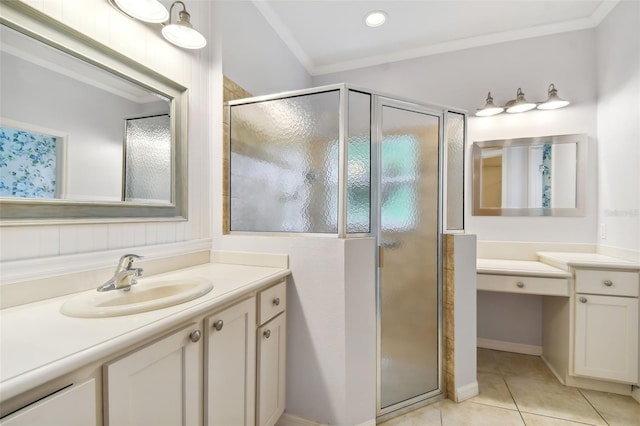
[[635, 393], [290, 420], [467, 391], [599, 385], [500, 345]]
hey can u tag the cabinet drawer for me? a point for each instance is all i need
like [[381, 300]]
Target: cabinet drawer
[[75, 405], [524, 285], [272, 301], [615, 283]]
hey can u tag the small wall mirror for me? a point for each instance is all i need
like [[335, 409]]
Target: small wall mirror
[[540, 176], [85, 133]]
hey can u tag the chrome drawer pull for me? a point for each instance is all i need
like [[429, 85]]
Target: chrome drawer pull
[[276, 301], [520, 284], [608, 283], [218, 325], [583, 299]]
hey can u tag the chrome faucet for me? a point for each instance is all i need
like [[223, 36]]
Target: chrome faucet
[[124, 276]]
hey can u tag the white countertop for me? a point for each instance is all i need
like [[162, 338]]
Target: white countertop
[[38, 343], [519, 267], [565, 260]]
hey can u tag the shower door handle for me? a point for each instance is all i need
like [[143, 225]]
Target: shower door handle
[[380, 256]]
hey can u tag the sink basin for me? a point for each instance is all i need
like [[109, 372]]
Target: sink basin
[[147, 295]]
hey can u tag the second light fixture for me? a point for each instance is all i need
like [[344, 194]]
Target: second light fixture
[[520, 103]]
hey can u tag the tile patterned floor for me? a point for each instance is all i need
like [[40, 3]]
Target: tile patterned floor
[[520, 390]]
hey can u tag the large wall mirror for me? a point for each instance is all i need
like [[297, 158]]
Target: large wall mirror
[[85, 133], [540, 176]]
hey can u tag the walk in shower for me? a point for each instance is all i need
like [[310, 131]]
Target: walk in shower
[[348, 162]]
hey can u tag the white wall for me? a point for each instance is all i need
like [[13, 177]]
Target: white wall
[[618, 70], [195, 70], [255, 57]]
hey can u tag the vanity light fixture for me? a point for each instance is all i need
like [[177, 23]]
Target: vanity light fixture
[[553, 100], [520, 104], [181, 33], [375, 18], [489, 108], [143, 10]]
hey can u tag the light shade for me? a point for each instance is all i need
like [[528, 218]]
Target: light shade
[[489, 108], [143, 10], [182, 33], [553, 100], [375, 18], [520, 104]]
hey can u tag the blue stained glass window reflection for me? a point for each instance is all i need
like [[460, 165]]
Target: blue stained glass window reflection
[[27, 164], [399, 176]]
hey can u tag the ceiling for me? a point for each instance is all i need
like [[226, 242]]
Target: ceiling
[[330, 35]]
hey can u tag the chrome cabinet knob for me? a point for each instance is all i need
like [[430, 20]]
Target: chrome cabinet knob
[[195, 336], [218, 325], [520, 284], [267, 333], [276, 301], [608, 283], [583, 299]]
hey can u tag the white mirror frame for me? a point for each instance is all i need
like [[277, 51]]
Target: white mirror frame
[[39, 26], [581, 169]]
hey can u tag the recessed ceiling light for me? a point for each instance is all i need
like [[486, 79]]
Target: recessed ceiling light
[[375, 18]]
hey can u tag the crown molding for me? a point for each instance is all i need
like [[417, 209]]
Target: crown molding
[[472, 42]]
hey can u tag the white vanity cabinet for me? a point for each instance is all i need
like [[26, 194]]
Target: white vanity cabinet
[[72, 406], [157, 384], [189, 364], [272, 348], [230, 354], [606, 325]]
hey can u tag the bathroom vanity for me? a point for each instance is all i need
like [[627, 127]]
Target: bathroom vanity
[[216, 360], [590, 313]]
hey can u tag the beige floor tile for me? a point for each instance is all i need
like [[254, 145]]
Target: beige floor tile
[[617, 410], [494, 391], [512, 364], [487, 361], [536, 420], [471, 414], [425, 416], [546, 398]]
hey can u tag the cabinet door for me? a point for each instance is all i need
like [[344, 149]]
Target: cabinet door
[[230, 352], [71, 406], [606, 337], [158, 384], [272, 348]]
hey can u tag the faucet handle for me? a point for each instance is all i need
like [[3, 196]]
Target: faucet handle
[[131, 257], [127, 260]]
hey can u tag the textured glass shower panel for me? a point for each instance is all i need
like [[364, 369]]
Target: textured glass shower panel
[[284, 167], [148, 159], [359, 163], [409, 338], [455, 170]]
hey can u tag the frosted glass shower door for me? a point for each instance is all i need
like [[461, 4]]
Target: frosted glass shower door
[[408, 277]]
